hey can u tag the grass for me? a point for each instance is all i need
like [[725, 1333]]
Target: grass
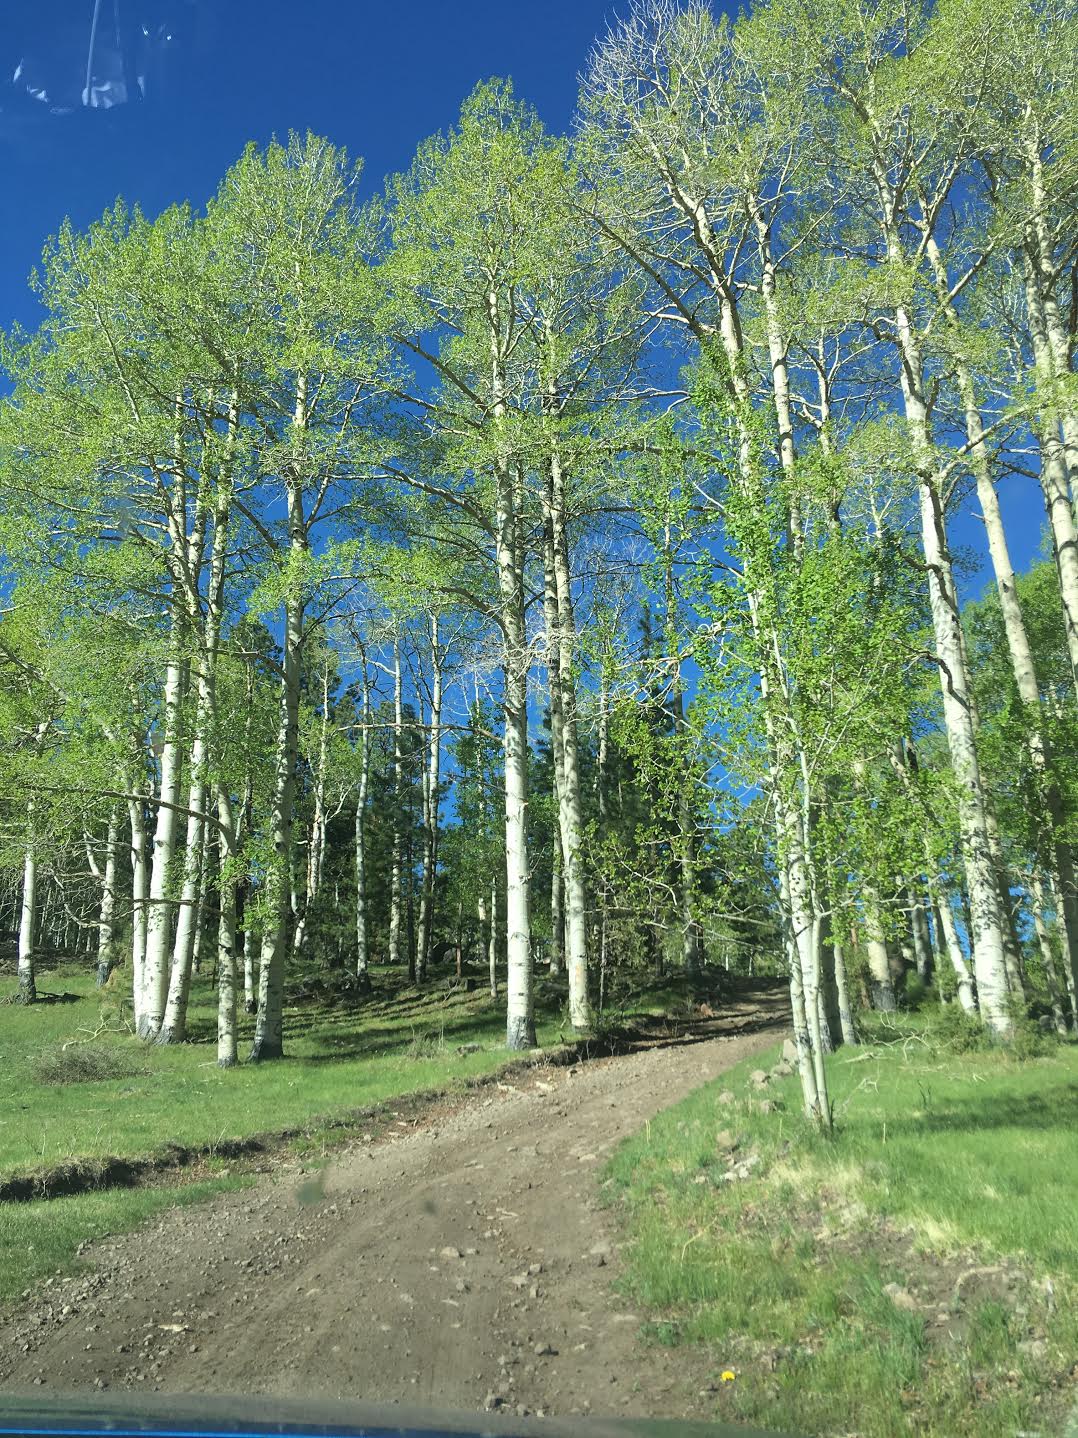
[[953, 1176], [107, 1094], [40, 1239], [340, 1057]]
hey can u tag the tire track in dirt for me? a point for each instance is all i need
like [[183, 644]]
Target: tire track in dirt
[[466, 1265]]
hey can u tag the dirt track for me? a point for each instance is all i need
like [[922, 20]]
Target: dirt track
[[465, 1263]]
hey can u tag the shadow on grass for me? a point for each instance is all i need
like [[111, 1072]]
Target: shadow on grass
[[984, 1113]]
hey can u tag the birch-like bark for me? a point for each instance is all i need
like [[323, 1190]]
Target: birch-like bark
[[557, 746], [881, 986], [520, 1020], [106, 927], [988, 942], [140, 888], [842, 989], [362, 936], [922, 939], [557, 910], [226, 930], [27, 980], [492, 939], [1054, 476], [159, 901], [952, 948], [1047, 951], [251, 946], [173, 1027], [316, 841], [509, 559], [395, 883], [269, 1022], [571, 801], [431, 808], [1018, 645]]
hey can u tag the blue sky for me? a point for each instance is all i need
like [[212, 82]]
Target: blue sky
[[372, 76]]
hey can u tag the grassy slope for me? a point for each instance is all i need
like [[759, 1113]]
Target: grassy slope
[[340, 1058], [943, 1161]]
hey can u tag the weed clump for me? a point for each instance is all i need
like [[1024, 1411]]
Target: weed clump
[[83, 1063]]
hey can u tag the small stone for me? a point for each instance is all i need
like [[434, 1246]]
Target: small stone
[[758, 1077], [726, 1098], [789, 1051], [901, 1297], [450, 1252], [534, 1269], [726, 1140]]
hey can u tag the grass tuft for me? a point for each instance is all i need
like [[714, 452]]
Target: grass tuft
[[83, 1062]]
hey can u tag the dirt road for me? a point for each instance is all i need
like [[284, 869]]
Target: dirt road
[[466, 1263]]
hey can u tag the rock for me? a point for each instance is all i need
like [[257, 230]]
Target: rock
[[789, 1052], [534, 1270], [726, 1098], [901, 1297], [1035, 1348], [782, 1070], [726, 1141], [492, 1402], [450, 1252], [758, 1077]]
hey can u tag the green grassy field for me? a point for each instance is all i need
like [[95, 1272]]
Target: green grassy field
[[107, 1094], [339, 1057], [953, 1176]]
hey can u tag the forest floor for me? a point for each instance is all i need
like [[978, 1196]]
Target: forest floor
[[461, 1256]]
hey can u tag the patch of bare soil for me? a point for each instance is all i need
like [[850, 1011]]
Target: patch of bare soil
[[462, 1260]]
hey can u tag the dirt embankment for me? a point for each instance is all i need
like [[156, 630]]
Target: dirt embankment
[[463, 1260]]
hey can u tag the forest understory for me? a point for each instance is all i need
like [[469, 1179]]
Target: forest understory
[[552, 1237]]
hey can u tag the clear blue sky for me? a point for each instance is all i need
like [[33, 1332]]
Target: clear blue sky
[[372, 76]]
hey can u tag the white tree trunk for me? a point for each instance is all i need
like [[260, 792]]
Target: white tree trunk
[[953, 949], [27, 990], [269, 1021], [140, 885], [431, 809], [572, 815], [106, 926], [1047, 952], [987, 920], [226, 931], [395, 884], [362, 935], [520, 1020], [1054, 476], [492, 939], [159, 899]]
